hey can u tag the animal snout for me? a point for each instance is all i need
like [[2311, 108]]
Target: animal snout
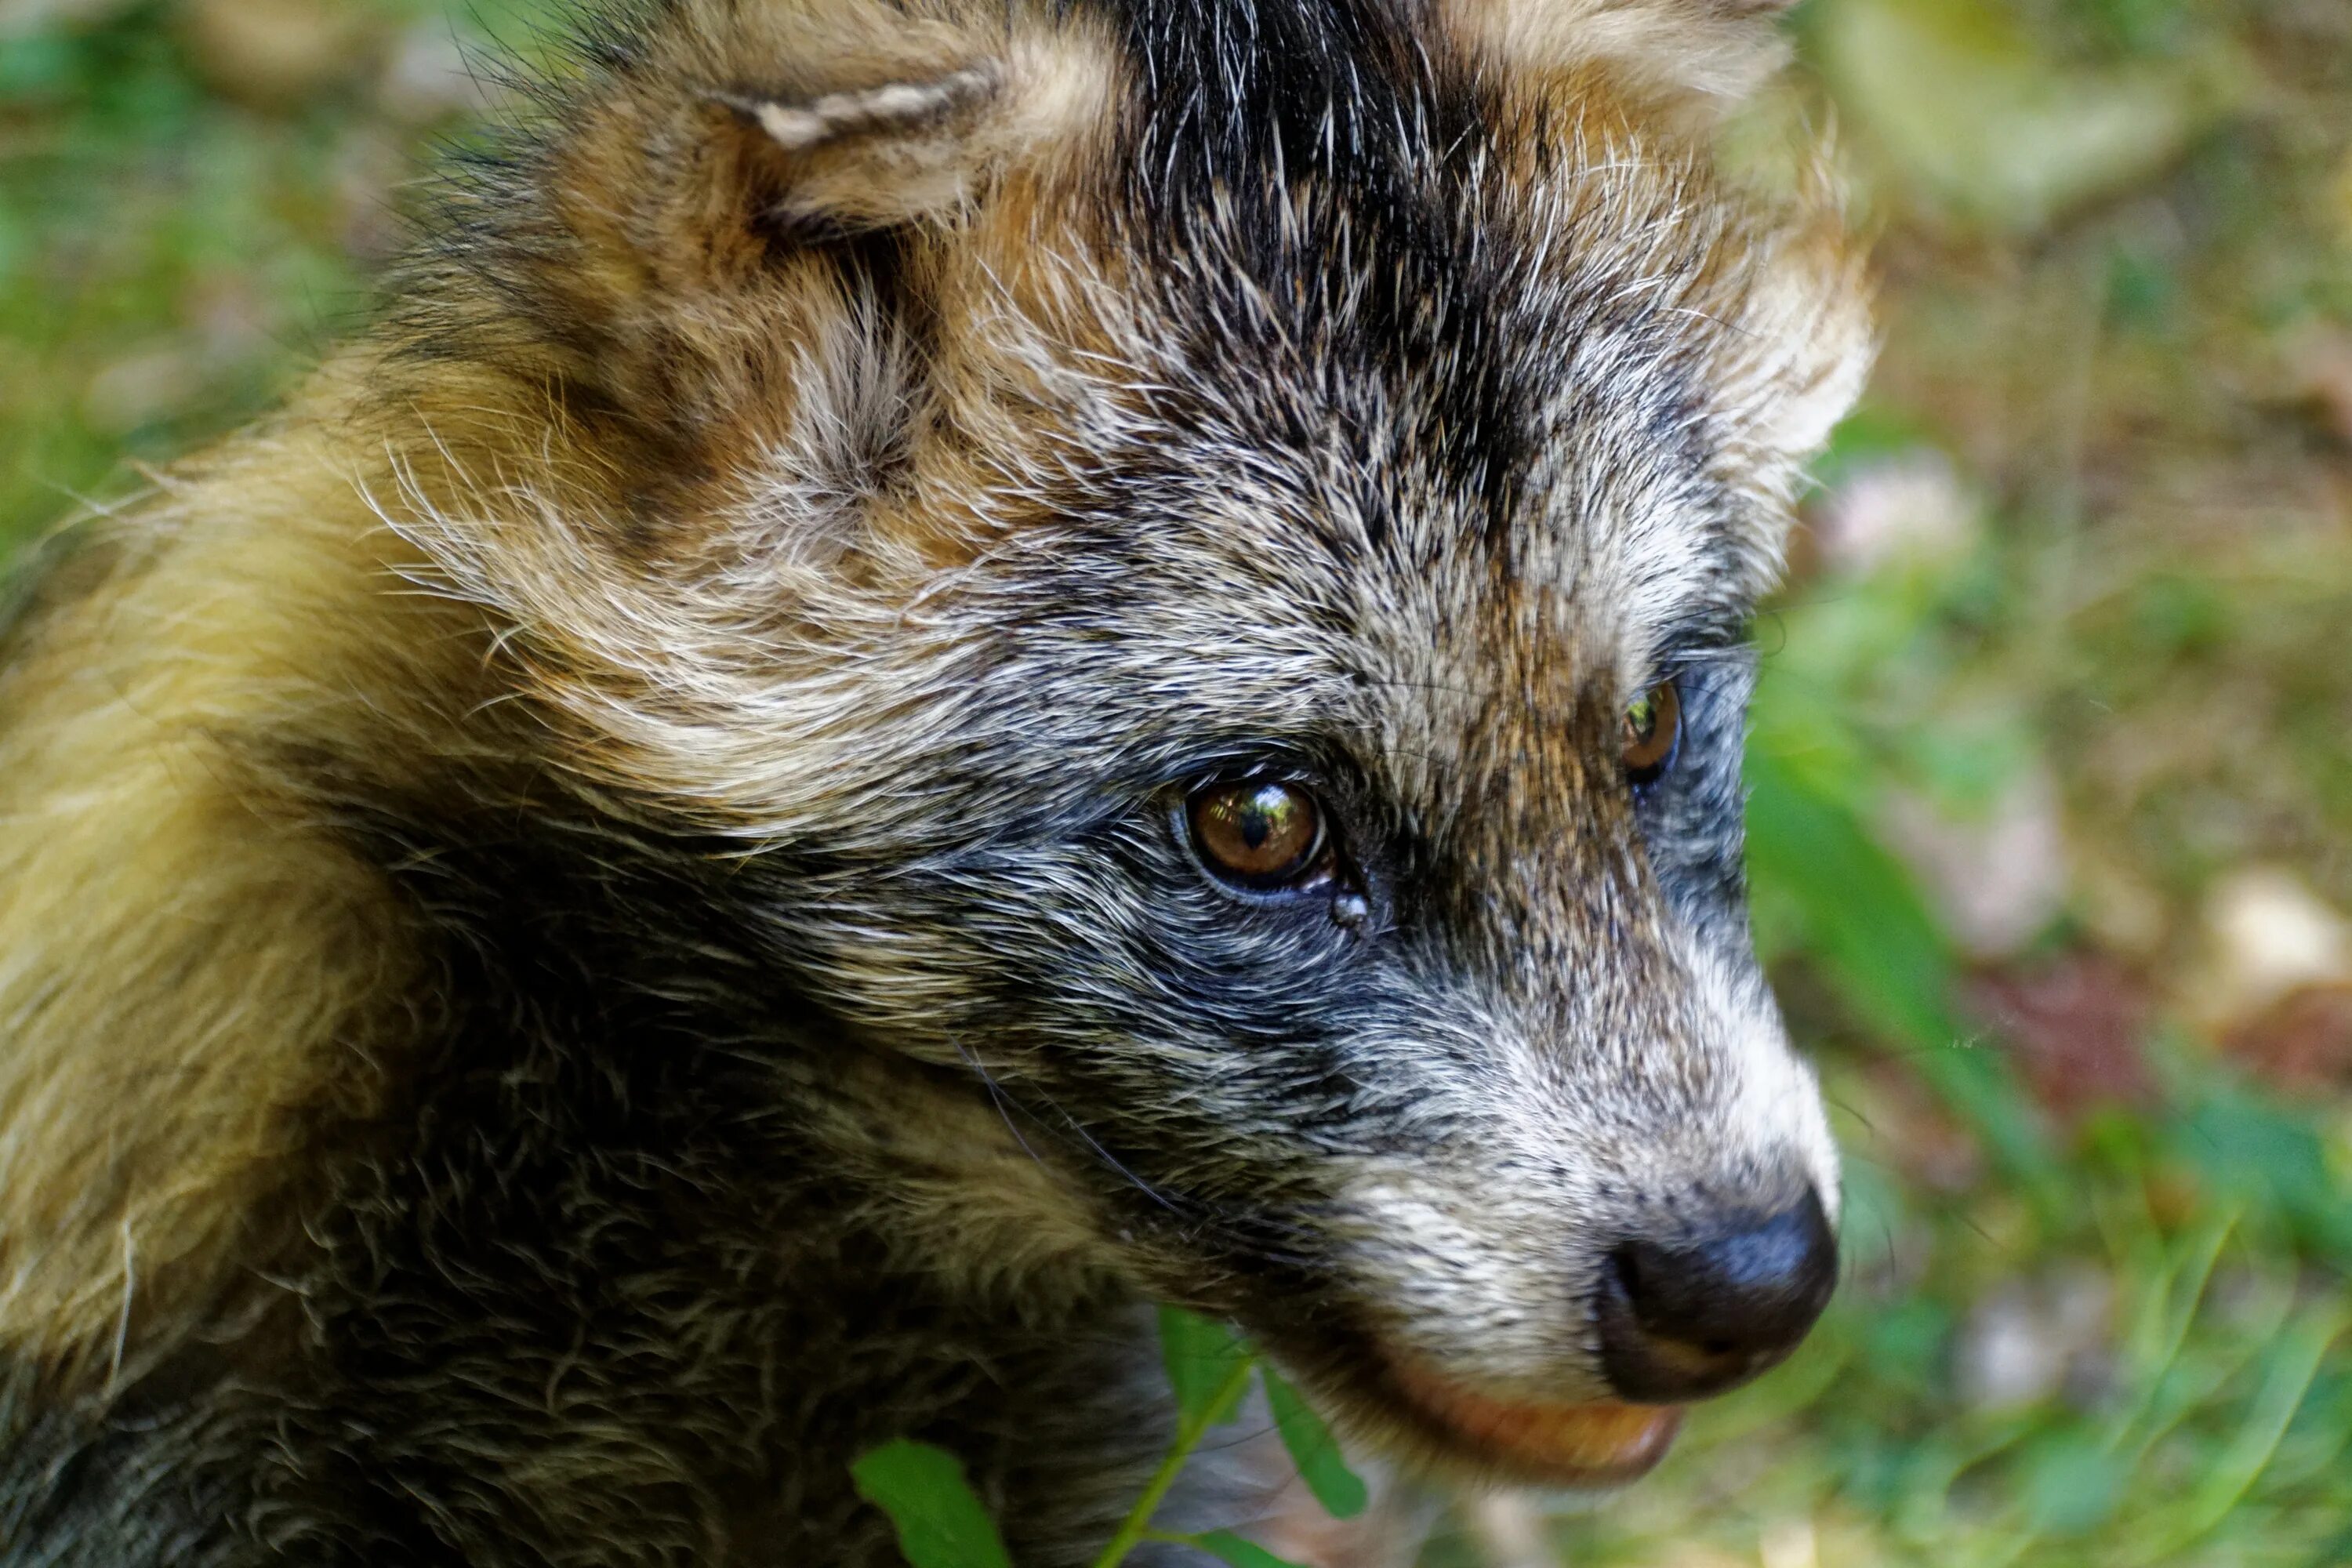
[[1715, 1306]]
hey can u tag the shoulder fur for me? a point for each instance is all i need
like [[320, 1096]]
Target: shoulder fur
[[190, 970]]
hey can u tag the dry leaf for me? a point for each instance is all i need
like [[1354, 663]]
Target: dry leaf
[[2077, 1029]]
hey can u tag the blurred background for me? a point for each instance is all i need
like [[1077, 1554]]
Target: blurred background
[[2053, 767]]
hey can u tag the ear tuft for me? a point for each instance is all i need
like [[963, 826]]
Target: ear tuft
[[899, 109]]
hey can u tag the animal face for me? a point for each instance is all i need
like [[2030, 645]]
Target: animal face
[[1311, 887], [1227, 637]]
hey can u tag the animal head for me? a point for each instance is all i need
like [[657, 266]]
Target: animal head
[[1201, 550]]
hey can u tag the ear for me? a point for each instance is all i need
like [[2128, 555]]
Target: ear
[[1711, 54], [873, 156], [694, 211], [1800, 349], [849, 113]]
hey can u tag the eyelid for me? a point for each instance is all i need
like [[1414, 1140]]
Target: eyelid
[[1686, 669]]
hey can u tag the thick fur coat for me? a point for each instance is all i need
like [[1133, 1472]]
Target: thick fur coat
[[598, 915]]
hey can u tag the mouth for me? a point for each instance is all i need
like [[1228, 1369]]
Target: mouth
[[1589, 1445]]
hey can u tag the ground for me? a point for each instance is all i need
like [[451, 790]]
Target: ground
[[2053, 762]]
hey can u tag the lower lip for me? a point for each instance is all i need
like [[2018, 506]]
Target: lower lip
[[1597, 1445]]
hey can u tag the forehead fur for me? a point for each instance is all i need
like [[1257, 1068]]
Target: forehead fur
[[1455, 311], [1400, 294]]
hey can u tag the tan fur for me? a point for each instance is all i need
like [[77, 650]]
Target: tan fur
[[1714, 52], [671, 202], [1784, 278], [225, 960]]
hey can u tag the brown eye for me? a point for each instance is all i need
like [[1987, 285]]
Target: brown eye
[[1260, 834], [1654, 729]]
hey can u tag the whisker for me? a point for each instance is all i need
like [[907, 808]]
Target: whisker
[[997, 1096]]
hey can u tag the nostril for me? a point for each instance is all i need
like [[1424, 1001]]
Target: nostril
[[1685, 1319]]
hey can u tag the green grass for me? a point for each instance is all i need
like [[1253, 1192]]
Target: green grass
[[2112, 366]]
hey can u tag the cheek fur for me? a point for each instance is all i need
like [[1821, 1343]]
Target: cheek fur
[[1472, 1274]]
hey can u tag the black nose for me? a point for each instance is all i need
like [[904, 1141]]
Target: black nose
[[1709, 1311]]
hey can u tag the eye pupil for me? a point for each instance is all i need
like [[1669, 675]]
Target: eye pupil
[[1653, 734], [1261, 834]]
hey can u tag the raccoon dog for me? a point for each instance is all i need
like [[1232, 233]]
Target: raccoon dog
[[950, 667]]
